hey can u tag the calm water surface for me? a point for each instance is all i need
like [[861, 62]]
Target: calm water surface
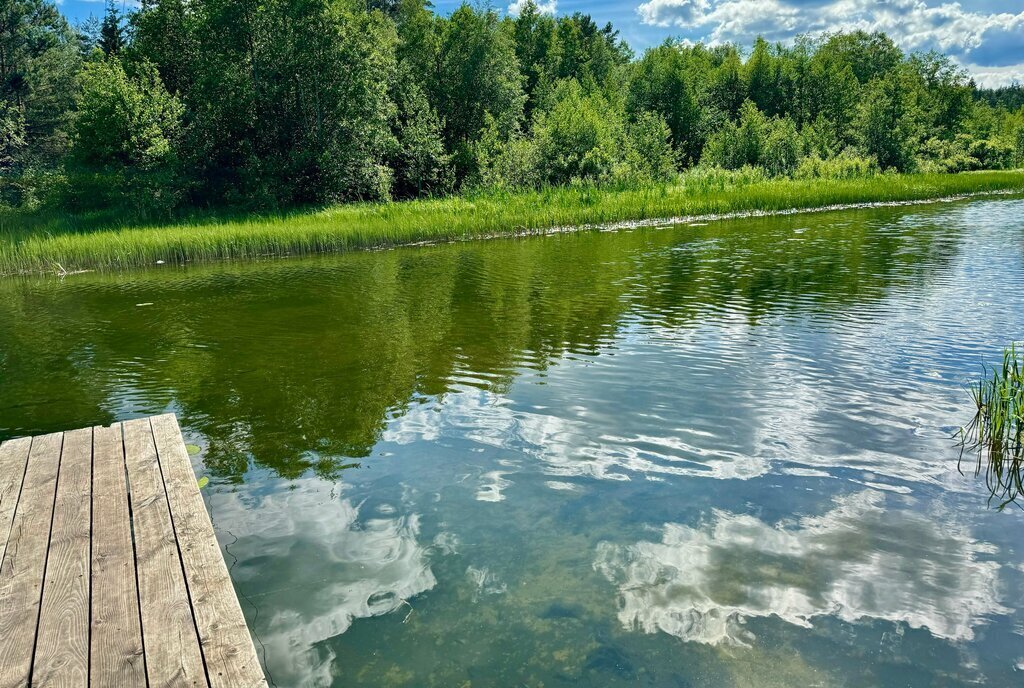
[[709, 455]]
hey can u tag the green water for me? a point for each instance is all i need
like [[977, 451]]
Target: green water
[[710, 455]]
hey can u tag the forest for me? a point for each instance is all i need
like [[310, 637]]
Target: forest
[[269, 105]]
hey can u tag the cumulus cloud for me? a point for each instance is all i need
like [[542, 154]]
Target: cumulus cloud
[[974, 38], [543, 6], [856, 561]]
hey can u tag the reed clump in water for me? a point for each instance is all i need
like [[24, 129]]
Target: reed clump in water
[[59, 242], [996, 433]]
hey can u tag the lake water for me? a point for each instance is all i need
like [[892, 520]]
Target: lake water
[[712, 455]]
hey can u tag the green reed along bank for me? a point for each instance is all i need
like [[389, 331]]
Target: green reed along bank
[[54, 242]]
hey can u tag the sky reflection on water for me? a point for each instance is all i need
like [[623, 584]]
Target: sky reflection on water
[[698, 456], [855, 561]]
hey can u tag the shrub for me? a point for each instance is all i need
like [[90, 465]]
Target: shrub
[[736, 144], [124, 120], [992, 153], [580, 137], [507, 164], [847, 165], [782, 148], [821, 138], [755, 140], [711, 179], [577, 138], [650, 154]]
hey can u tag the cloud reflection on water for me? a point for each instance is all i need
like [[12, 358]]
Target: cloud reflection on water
[[329, 567], [856, 561], [567, 447]]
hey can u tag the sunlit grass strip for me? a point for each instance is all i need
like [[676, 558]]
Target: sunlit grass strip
[[47, 244], [996, 433]]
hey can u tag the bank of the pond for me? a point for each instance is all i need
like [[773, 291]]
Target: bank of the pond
[[54, 244]]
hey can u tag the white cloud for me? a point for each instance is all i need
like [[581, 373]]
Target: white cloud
[[993, 77], [976, 38], [856, 561], [543, 6]]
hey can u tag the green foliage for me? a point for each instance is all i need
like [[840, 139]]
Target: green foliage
[[39, 59], [764, 77], [843, 166], [122, 120], [650, 156], [419, 159], [726, 91], [290, 102], [255, 105], [992, 154], [477, 76], [536, 38], [869, 56], [945, 92], [783, 147], [887, 122], [124, 143], [586, 52], [12, 136], [821, 138], [996, 433], [579, 138], [659, 84], [33, 242], [112, 34], [830, 96], [756, 140]]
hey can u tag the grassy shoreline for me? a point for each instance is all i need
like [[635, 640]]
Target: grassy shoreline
[[42, 244]]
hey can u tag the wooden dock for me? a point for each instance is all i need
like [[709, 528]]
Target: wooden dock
[[110, 572]]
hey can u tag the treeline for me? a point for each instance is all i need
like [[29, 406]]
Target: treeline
[[186, 103]]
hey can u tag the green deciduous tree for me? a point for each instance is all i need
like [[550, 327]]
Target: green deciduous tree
[[419, 159], [659, 84], [765, 80], [650, 155], [477, 77], [888, 121], [580, 137], [273, 103], [124, 120], [869, 55]]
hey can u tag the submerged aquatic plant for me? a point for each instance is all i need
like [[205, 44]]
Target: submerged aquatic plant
[[996, 433]]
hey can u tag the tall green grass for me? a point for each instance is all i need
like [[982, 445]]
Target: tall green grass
[[996, 433], [52, 242]]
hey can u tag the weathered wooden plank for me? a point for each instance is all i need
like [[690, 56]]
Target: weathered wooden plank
[[231, 660], [116, 645], [173, 657], [21, 573], [62, 641], [13, 459]]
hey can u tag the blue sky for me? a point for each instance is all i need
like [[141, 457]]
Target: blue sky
[[985, 36]]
